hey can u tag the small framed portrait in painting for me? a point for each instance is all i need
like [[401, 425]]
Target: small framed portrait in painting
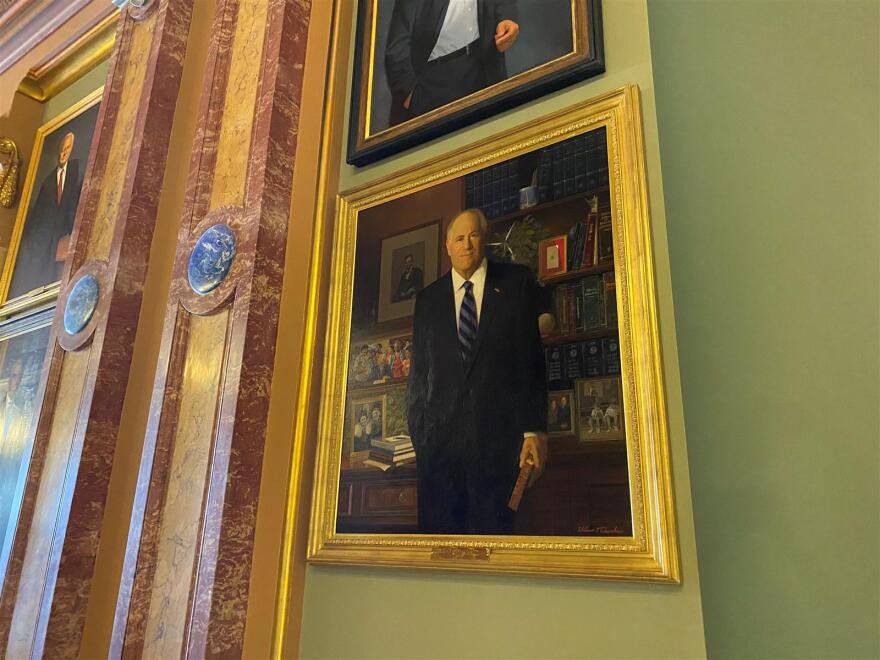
[[425, 68], [50, 197], [552, 256], [408, 264], [561, 416], [367, 422], [600, 409], [381, 361]]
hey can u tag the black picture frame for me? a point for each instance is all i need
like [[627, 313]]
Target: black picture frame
[[526, 86]]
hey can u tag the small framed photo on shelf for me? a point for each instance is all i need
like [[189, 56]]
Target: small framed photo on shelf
[[380, 361], [367, 423], [552, 256], [408, 264], [561, 416], [600, 409]]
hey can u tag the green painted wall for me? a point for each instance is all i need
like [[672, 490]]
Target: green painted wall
[[371, 613], [76, 91], [769, 115]]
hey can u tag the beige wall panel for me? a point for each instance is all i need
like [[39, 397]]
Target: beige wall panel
[[113, 183], [233, 148], [73, 375], [179, 537]]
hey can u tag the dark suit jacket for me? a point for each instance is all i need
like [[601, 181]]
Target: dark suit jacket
[[415, 26], [409, 284], [467, 423], [46, 224]]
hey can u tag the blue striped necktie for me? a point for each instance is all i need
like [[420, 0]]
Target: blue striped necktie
[[467, 323]]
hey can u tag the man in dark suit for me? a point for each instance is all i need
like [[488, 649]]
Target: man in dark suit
[[46, 234], [411, 281], [477, 396], [439, 51]]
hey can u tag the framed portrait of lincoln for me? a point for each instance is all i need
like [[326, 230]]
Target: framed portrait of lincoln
[[426, 67], [483, 459], [50, 197]]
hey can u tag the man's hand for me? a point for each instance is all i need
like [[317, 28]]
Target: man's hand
[[408, 101], [505, 34], [534, 452]]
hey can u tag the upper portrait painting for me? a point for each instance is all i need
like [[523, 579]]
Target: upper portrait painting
[[424, 68]]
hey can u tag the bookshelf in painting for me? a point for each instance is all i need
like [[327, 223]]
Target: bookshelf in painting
[[562, 190]]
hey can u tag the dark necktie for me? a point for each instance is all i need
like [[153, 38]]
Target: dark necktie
[[467, 323]]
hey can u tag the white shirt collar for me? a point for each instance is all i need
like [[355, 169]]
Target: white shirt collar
[[478, 278]]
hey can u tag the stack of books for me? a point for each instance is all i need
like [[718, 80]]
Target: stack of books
[[586, 304], [573, 166], [591, 358], [391, 452], [494, 189]]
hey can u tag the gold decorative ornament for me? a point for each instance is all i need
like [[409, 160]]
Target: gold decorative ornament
[[9, 163]]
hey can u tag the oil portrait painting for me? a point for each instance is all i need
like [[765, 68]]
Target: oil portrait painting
[[427, 66], [41, 236], [23, 345], [500, 419]]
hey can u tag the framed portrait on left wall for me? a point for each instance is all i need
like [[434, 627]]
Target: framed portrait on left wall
[[49, 199], [423, 69], [23, 344]]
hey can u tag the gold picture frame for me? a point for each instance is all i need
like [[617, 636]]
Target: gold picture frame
[[649, 550], [81, 116]]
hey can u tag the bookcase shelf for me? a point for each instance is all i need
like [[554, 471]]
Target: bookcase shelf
[[552, 339], [565, 445], [575, 274], [376, 388], [537, 208]]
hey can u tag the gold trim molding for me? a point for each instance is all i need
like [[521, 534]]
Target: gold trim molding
[[72, 62]]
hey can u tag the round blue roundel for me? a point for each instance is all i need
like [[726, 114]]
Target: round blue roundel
[[81, 304], [211, 258]]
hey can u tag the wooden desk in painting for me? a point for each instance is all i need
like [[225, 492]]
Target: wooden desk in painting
[[584, 492]]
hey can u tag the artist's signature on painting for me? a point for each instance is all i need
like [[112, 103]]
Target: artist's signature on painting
[[601, 531]]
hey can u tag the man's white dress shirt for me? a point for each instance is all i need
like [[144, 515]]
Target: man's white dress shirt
[[62, 172], [460, 27], [478, 279]]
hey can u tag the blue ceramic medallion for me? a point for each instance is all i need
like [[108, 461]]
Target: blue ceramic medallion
[[81, 304], [211, 258]]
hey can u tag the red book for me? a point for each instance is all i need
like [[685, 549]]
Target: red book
[[588, 258], [519, 488]]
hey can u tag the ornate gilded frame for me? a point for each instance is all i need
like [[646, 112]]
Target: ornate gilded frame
[[587, 59], [651, 553], [49, 291]]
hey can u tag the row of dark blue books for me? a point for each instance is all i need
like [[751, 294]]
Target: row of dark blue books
[[494, 189], [591, 358], [576, 165]]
